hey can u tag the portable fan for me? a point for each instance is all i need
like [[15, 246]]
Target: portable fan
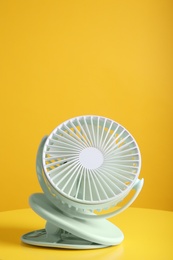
[[86, 166]]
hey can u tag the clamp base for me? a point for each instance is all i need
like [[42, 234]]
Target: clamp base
[[63, 231], [41, 238]]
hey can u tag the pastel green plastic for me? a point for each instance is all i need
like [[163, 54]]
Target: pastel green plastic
[[72, 210], [86, 166], [99, 231], [90, 163]]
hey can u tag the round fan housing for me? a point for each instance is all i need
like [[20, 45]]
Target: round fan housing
[[90, 163]]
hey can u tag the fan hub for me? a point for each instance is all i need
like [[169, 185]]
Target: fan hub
[[91, 158]]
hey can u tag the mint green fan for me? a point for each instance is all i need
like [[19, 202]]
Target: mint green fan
[[85, 167]]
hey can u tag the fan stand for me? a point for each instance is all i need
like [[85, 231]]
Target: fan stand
[[62, 231]]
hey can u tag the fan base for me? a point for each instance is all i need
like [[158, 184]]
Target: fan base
[[64, 231], [41, 238]]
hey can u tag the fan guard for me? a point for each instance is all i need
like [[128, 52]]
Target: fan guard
[[91, 161], [87, 164]]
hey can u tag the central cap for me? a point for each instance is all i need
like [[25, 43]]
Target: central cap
[[91, 158]]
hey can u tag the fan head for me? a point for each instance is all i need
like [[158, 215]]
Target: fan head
[[90, 163]]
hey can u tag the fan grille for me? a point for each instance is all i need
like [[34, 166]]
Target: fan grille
[[91, 159]]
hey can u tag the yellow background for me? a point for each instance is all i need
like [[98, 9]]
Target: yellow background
[[61, 59]]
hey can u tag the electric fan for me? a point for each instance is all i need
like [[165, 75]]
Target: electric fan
[[85, 167]]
